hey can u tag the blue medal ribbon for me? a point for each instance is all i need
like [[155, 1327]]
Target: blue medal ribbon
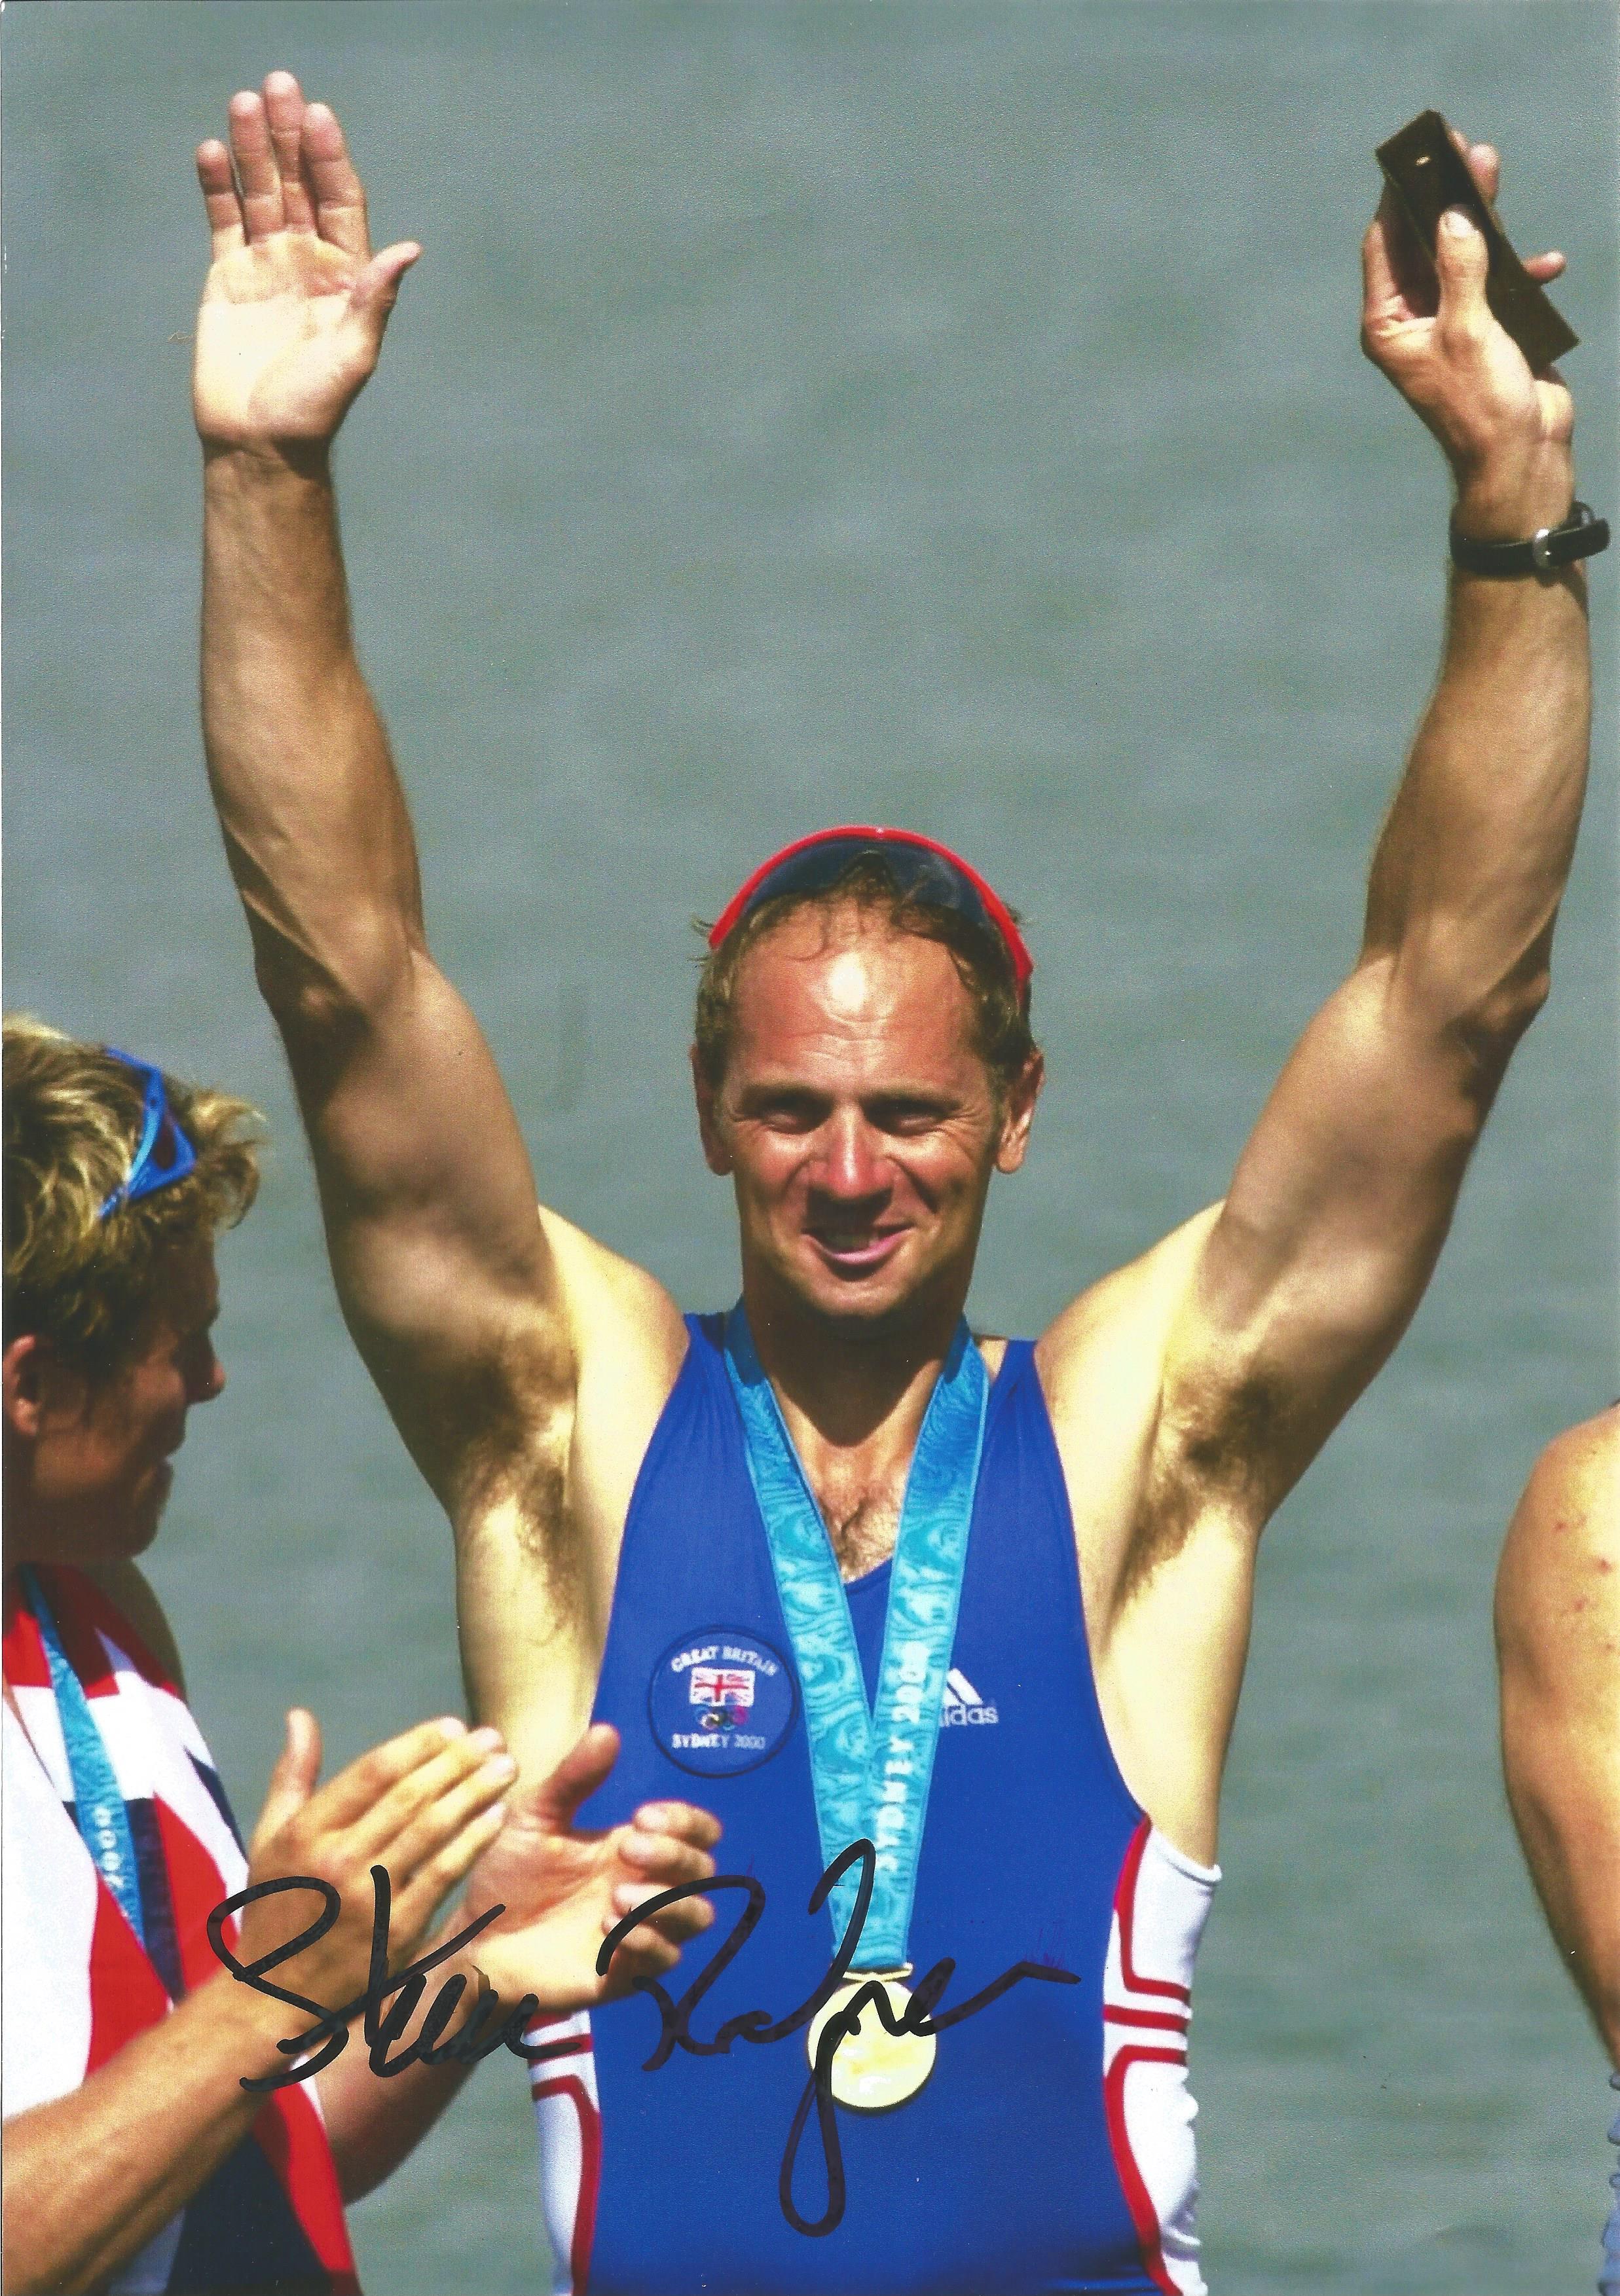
[[871, 1770], [98, 1801]]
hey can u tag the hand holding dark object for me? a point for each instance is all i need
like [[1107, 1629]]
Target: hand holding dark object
[[1427, 166], [564, 1889], [1505, 431]]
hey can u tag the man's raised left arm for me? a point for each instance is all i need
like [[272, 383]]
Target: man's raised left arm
[[1342, 1196]]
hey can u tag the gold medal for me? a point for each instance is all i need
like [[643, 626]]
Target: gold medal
[[872, 2068]]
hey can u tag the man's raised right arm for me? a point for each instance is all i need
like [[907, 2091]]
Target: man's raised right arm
[[452, 1287]]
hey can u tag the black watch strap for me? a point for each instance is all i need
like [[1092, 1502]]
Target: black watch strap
[[1581, 535]]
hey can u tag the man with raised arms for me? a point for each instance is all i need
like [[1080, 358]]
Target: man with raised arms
[[982, 1605]]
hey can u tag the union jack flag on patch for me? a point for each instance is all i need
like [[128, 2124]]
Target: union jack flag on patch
[[717, 1685]]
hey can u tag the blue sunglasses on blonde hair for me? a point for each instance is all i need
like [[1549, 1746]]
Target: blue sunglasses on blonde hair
[[164, 1153]]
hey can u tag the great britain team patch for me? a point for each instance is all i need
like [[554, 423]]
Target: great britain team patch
[[722, 1700]]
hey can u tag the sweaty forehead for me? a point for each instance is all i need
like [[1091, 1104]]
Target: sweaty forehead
[[850, 985]]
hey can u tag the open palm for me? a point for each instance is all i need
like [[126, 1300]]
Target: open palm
[[564, 1888], [295, 303]]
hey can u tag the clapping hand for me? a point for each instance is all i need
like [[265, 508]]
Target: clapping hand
[[424, 1806], [563, 1888]]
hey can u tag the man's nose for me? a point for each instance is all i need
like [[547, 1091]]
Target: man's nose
[[207, 1381], [853, 1161]]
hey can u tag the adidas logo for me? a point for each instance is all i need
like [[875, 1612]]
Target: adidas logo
[[962, 1703]]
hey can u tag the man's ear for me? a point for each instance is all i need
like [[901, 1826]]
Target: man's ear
[[1019, 1114], [716, 1154], [37, 1387], [22, 1382]]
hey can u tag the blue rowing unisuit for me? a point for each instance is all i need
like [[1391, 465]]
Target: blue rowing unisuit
[[998, 2178]]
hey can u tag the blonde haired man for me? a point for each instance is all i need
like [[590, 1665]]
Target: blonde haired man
[[136, 2160]]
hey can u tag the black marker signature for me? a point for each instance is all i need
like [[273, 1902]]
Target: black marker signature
[[486, 2029], [919, 2016]]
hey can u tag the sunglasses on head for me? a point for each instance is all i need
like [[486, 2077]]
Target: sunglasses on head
[[921, 869], [164, 1154]]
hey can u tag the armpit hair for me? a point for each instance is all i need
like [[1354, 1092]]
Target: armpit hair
[[512, 1476], [1204, 1462]]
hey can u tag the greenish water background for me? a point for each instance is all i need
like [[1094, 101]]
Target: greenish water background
[[933, 413]]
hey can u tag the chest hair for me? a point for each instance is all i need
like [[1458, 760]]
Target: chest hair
[[862, 1526]]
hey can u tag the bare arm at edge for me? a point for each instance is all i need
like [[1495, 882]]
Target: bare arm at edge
[[1558, 1641]]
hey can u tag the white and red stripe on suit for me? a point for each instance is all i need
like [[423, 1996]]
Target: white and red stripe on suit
[[1160, 1908], [562, 2083], [78, 1983]]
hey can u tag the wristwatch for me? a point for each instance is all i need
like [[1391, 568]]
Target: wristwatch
[[1581, 535]]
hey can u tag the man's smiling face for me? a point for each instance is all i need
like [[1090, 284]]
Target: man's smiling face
[[859, 1123]]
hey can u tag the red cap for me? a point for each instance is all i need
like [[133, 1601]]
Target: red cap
[[995, 908]]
